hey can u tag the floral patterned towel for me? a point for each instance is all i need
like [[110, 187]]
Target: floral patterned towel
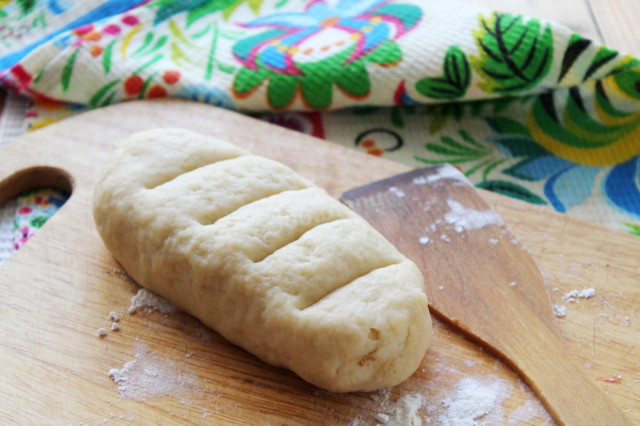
[[524, 107]]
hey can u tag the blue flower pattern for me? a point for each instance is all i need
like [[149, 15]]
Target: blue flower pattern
[[568, 184], [290, 29]]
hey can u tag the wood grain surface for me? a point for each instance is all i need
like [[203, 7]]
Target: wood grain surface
[[60, 287]]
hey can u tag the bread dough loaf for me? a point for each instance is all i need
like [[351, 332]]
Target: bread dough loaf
[[264, 257]]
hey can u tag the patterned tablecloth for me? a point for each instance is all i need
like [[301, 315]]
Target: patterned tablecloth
[[524, 107]]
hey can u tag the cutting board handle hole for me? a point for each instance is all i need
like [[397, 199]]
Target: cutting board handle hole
[[32, 178]]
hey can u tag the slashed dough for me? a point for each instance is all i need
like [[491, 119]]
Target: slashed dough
[[261, 255]]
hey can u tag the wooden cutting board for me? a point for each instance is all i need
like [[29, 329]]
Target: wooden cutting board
[[58, 290]]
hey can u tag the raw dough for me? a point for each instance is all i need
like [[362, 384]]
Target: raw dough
[[265, 258]]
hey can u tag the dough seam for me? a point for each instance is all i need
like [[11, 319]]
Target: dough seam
[[300, 236], [195, 168], [328, 294], [236, 208]]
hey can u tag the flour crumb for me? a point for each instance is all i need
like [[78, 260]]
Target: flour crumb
[[382, 418], [559, 311], [445, 238], [587, 293], [446, 171], [424, 240], [466, 219], [494, 241], [148, 301], [512, 284], [575, 294], [114, 326], [121, 377], [397, 191], [113, 316], [102, 332]]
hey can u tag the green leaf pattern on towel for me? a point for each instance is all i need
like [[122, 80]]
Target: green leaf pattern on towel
[[514, 54], [455, 81]]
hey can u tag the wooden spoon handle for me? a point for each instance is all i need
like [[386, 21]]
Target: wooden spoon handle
[[562, 385]]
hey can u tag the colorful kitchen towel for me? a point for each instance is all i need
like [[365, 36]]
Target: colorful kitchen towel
[[524, 107]]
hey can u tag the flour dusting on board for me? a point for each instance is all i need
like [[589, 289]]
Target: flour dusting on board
[[148, 301], [150, 375], [473, 401], [403, 412], [464, 219], [444, 172]]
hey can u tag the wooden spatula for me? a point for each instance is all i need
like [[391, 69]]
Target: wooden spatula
[[482, 280]]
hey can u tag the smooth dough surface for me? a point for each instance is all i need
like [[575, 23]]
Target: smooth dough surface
[[264, 257]]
